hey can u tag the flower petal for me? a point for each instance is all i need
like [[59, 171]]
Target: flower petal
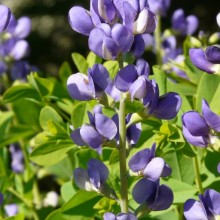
[[80, 20], [212, 119], [109, 216], [20, 50], [98, 172], [138, 89], [163, 200], [125, 77], [122, 37], [193, 210], [154, 168], [125, 216], [199, 141], [168, 106], [192, 24], [143, 190], [199, 127], [140, 160], [81, 178], [198, 58], [5, 15], [110, 50], [212, 199], [105, 126], [78, 87], [212, 54], [76, 137], [133, 134], [142, 68], [91, 136], [23, 27]]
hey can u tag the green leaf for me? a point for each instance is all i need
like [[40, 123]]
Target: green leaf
[[56, 215], [80, 62], [16, 217], [17, 92], [114, 158], [49, 117], [93, 59], [182, 167], [210, 93], [112, 67], [5, 120], [182, 191], [67, 191], [51, 152], [79, 114], [81, 204]]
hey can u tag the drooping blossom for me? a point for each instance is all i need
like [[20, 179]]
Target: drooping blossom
[[152, 195], [159, 7], [88, 87], [94, 178], [208, 60], [218, 168], [120, 216], [207, 208], [184, 25], [5, 15], [203, 131], [146, 164], [100, 130]]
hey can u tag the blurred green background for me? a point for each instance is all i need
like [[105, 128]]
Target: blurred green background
[[52, 40]]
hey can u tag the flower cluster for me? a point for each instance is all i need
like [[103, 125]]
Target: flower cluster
[[113, 25], [13, 46]]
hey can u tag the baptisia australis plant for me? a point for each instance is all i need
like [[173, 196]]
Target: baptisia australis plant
[[115, 28]]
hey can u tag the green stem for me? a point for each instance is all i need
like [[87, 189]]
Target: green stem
[[157, 38], [197, 173], [122, 153]]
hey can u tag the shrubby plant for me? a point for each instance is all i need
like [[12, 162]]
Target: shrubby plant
[[119, 139]]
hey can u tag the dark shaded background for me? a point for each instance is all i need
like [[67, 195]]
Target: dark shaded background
[[52, 40]]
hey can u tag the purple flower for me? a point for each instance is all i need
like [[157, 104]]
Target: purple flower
[[134, 79], [202, 131], [133, 132], [94, 178], [146, 164], [184, 25], [157, 106], [207, 208], [208, 60], [100, 130], [120, 216], [154, 196], [136, 16], [83, 87], [17, 158], [5, 15], [109, 42], [159, 7], [11, 209]]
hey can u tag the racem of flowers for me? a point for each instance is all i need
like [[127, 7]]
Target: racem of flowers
[[120, 139]]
